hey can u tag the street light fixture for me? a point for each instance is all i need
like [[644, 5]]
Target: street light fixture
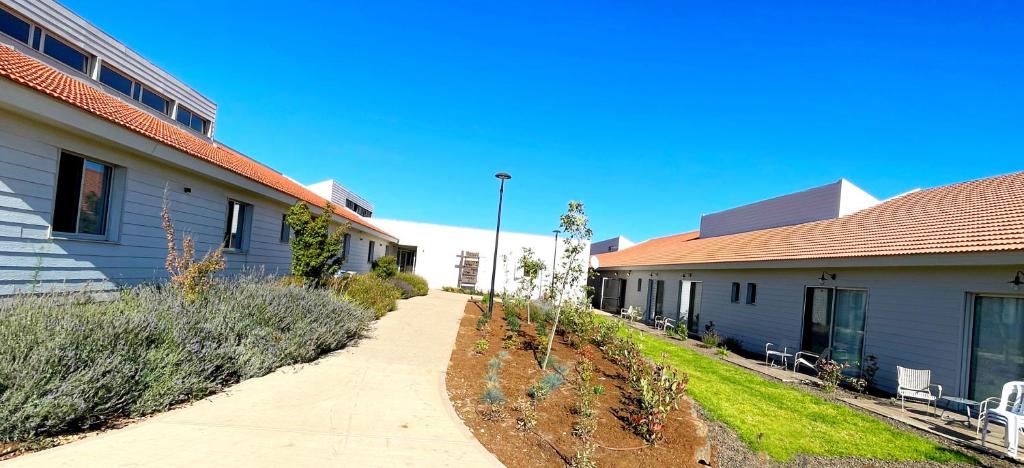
[[503, 176]]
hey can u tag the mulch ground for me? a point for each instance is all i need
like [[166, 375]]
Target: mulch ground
[[551, 443]]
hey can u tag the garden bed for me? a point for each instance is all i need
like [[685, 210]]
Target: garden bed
[[551, 442]]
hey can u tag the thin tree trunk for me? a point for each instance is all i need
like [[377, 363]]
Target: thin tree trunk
[[551, 339]]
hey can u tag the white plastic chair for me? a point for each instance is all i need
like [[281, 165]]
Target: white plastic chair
[[1009, 414], [631, 313], [663, 322], [916, 384]]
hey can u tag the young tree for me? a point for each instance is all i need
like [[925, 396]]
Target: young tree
[[316, 251], [193, 277], [575, 225], [531, 267]]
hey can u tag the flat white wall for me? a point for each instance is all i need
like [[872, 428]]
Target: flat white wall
[[30, 259], [825, 202], [916, 317], [438, 248]]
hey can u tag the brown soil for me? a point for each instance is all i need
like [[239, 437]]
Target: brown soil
[[551, 443]]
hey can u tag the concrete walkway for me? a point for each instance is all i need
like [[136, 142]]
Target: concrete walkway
[[380, 403]]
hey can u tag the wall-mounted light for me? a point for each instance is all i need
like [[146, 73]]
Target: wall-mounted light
[[1018, 280], [825, 277], [188, 189]]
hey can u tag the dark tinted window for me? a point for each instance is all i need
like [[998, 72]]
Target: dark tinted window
[[735, 296], [198, 124], [184, 116], [154, 100], [13, 26], [69, 186], [66, 54], [751, 293], [116, 80], [37, 36]]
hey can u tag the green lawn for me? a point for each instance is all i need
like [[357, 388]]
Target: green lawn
[[782, 421]]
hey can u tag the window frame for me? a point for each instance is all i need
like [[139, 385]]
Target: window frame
[[244, 226], [46, 36], [639, 284], [734, 293], [346, 240], [369, 252], [193, 116], [114, 178], [28, 38], [286, 230], [751, 296]]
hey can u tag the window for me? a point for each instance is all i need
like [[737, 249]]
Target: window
[[82, 201], [116, 80], [235, 231], [639, 284], [155, 101], [346, 242], [192, 120], [286, 230], [359, 209], [735, 295], [14, 26], [66, 54], [369, 257], [751, 293]]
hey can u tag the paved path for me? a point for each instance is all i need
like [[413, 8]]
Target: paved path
[[379, 403]]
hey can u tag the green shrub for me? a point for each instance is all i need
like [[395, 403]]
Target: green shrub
[[386, 267], [316, 251], [69, 363], [371, 292], [402, 286], [418, 283]]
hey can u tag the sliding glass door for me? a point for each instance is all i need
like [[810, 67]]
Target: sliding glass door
[[834, 319], [693, 315], [997, 344], [655, 299]]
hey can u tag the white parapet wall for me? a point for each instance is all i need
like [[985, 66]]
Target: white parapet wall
[[439, 247]]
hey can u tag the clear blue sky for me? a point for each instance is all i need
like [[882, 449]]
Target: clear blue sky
[[650, 115]]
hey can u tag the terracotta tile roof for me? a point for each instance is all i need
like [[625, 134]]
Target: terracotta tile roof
[[978, 216], [41, 77]]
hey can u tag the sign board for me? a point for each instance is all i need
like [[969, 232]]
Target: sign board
[[469, 265]]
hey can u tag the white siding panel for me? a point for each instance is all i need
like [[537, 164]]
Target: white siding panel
[[916, 317]]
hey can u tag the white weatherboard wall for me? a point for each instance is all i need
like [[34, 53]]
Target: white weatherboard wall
[[438, 248], [916, 316], [825, 202], [34, 129]]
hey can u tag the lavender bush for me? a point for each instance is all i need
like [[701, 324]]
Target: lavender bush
[[68, 362]]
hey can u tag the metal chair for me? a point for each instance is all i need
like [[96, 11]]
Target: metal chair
[[916, 384], [770, 355], [1009, 414], [811, 360], [663, 322]]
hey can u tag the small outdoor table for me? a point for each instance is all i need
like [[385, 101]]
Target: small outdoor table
[[772, 356], [965, 402]]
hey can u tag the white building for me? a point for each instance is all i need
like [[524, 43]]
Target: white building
[[928, 280], [439, 254], [93, 137], [610, 245]]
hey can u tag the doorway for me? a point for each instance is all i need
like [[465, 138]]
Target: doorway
[[834, 319], [613, 297], [655, 299], [693, 306], [997, 344]]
